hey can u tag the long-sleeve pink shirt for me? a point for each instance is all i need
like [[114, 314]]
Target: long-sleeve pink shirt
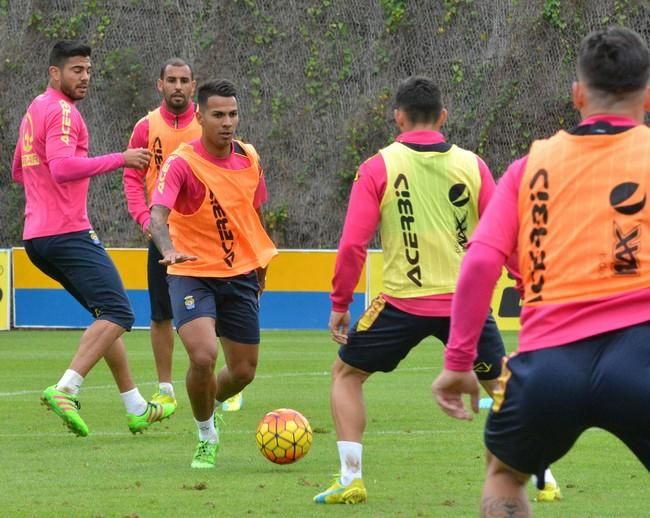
[[134, 179], [363, 218], [544, 326], [51, 161], [184, 192]]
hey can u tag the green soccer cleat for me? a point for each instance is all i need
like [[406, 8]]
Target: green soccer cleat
[[205, 455], [232, 404], [354, 493], [67, 407], [155, 412], [164, 399], [550, 493]]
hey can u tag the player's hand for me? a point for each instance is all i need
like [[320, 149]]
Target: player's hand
[[174, 257], [339, 325], [147, 232], [448, 389], [137, 158]]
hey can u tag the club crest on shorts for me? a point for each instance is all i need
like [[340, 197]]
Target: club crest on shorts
[[93, 237], [189, 302]]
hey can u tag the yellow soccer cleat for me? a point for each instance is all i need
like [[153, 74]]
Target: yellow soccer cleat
[[550, 493], [164, 399], [354, 493], [232, 404]]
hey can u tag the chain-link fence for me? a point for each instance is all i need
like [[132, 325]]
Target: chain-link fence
[[316, 79]]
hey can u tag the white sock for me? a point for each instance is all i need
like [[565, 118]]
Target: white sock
[[207, 431], [350, 455], [166, 388], [134, 402], [70, 382], [548, 478]]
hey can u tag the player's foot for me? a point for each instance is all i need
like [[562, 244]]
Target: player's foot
[[550, 493], [205, 455], [67, 407], [232, 404], [164, 399], [155, 412], [354, 493]]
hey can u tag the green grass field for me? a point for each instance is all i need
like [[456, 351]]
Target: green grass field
[[417, 462]]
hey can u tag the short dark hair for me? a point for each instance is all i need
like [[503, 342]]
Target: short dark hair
[[175, 62], [420, 98], [66, 49], [219, 87], [614, 61]]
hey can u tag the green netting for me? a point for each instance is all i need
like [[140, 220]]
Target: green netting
[[315, 80]]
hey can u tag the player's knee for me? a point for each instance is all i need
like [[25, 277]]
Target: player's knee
[[203, 361], [243, 373]]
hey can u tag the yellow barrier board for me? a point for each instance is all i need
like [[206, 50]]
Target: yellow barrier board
[[5, 288]]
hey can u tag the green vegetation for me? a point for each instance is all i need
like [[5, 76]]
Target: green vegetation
[[417, 462]]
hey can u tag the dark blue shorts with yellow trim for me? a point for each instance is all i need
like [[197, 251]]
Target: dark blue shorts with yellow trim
[[384, 335], [79, 262], [231, 301], [550, 396], [161, 306]]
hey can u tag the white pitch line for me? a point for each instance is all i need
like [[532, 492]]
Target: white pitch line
[[181, 382], [225, 433]]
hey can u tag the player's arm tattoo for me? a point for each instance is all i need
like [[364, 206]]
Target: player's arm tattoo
[[504, 507], [159, 230]]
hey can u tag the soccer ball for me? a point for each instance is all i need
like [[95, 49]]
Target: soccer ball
[[284, 436]]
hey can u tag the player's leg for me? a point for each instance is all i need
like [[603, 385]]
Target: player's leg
[[504, 491], [79, 262], [491, 352], [239, 369], [381, 338], [194, 307], [162, 331], [621, 386], [200, 341], [140, 413], [239, 332], [539, 410]]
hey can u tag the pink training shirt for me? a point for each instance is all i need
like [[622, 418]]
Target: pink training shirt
[[545, 326], [363, 218], [134, 179], [51, 161], [184, 192]]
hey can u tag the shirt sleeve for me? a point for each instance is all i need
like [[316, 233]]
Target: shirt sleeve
[[361, 221], [487, 185], [173, 175], [261, 193], [62, 134], [17, 166], [134, 179], [479, 273], [491, 246]]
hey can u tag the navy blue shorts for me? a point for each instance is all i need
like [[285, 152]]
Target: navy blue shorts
[[384, 335], [232, 302], [161, 306], [79, 262], [553, 395]]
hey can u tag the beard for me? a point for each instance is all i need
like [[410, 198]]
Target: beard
[[72, 93]]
